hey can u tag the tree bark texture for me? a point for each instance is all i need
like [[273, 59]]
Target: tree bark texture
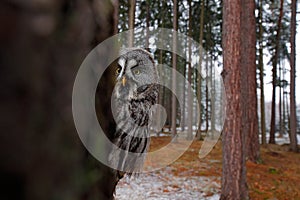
[[234, 184], [248, 65]]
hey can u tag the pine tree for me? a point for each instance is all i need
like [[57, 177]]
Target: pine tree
[[293, 118], [234, 185]]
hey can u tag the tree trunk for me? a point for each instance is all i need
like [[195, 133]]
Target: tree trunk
[[184, 109], [234, 185], [274, 81], [42, 46], [261, 77], [199, 96], [147, 24], [280, 78], [131, 21], [116, 15], [293, 120], [212, 99], [190, 102], [206, 94], [174, 64], [249, 96]]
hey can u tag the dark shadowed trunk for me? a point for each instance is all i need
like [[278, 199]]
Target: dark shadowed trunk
[[116, 15], [42, 46]]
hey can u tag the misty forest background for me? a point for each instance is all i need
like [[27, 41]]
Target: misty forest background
[[202, 20], [43, 43]]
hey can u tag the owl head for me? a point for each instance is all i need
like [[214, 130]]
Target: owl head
[[136, 69]]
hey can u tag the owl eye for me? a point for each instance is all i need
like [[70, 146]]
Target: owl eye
[[118, 70], [136, 71]]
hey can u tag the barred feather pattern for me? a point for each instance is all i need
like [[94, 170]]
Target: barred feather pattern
[[133, 107]]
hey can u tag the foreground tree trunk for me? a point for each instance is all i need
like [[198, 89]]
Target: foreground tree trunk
[[293, 120], [42, 45], [234, 185], [249, 96]]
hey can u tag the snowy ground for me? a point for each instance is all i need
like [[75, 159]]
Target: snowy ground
[[164, 186]]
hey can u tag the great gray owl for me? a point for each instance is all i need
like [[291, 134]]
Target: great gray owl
[[136, 91]]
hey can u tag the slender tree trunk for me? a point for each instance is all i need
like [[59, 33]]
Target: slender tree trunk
[[174, 64], [293, 120], [234, 185], [184, 120], [206, 95], [284, 102], [147, 23], [131, 21], [280, 103], [249, 94], [261, 77], [213, 98], [274, 81], [190, 102], [116, 15], [161, 100], [199, 134]]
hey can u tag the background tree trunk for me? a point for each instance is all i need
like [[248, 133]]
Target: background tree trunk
[[147, 23], [131, 23], [274, 81], [116, 15], [199, 96], [206, 93], [174, 65], [261, 76], [189, 101], [293, 120], [234, 185]]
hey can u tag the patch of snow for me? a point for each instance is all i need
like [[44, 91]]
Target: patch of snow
[[164, 186]]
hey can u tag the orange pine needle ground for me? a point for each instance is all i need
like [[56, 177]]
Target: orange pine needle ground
[[277, 177]]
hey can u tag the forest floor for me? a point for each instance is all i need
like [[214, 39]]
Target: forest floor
[[276, 177]]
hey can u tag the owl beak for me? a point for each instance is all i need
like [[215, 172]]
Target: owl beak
[[123, 81]]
